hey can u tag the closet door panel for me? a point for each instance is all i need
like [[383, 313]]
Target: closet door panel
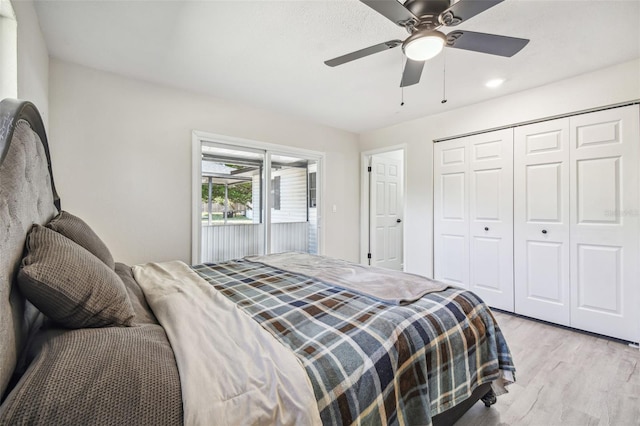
[[598, 186], [605, 222], [453, 196], [541, 221], [486, 266], [599, 278], [543, 192], [453, 255], [545, 272], [451, 212], [491, 217]]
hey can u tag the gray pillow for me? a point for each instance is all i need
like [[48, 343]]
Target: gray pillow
[[70, 285], [77, 230]]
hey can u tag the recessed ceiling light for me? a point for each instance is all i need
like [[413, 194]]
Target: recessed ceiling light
[[494, 82]]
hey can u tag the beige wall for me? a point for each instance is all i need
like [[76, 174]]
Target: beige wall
[[33, 58], [608, 86], [121, 152]]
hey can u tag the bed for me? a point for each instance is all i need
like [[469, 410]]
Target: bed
[[279, 339]]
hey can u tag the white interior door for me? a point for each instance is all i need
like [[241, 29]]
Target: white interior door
[[491, 217], [541, 221], [604, 224], [451, 212], [386, 212]]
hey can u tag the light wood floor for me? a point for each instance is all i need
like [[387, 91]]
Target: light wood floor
[[563, 377]]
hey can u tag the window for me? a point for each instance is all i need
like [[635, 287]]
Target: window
[[275, 193], [8, 51], [251, 198], [231, 185], [312, 190]]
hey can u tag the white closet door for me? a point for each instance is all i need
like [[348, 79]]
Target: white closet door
[[451, 212], [541, 221], [604, 223], [491, 217]]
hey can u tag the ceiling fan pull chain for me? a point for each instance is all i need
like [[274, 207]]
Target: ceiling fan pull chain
[[444, 78], [402, 65]]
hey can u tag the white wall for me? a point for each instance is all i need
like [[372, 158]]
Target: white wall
[[612, 85], [121, 152], [33, 58]]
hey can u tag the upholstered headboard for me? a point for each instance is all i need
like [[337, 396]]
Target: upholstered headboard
[[27, 196]]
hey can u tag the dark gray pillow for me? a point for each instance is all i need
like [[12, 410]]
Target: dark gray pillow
[[70, 285], [77, 230]]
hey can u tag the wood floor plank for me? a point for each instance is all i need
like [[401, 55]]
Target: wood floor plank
[[563, 377]]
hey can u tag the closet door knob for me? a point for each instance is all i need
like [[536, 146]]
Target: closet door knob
[[544, 231], [486, 228]]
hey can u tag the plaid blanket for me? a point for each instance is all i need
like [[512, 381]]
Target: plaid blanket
[[369, 362]]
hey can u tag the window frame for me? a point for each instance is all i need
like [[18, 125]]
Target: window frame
[[199, 137], [8, 51]]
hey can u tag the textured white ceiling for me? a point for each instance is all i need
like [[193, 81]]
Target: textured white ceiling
[[270, 54]]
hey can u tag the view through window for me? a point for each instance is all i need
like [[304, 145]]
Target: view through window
[[234, 192]]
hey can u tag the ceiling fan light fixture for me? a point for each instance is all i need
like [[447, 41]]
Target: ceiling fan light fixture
[[423, 45]]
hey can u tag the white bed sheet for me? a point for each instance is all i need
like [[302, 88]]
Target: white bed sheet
[[232, 371]]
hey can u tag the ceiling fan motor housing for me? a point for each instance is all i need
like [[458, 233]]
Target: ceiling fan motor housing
[[427, 11]]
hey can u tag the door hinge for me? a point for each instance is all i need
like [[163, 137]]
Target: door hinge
[[368, 255], [369, 169]]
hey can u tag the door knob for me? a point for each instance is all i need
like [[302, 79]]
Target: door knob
[[398, 220], [544, 231], [486, 228]]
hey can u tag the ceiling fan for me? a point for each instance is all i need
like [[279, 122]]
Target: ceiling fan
[[422, 19]]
